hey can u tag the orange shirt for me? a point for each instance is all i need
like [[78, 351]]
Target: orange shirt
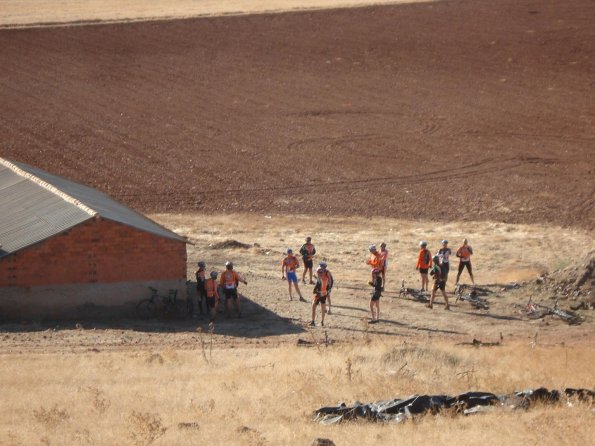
[[424, 260], [229, 279], [291, 263], [211, 288], [374, 261], [464, 253]]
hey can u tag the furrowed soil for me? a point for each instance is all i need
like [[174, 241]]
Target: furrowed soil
[[446, 111]]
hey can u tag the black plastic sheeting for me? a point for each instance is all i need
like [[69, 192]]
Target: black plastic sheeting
[[398, 410]]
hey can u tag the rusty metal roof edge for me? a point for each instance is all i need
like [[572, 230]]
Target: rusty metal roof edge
[[48, 187]]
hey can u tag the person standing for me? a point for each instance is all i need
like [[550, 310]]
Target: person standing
[[288, 271], [322, 270], [439, 283], [374, 259], [200, 289], [444, 254], [229, 282], [321, 290], [424, 263], [464, 254], [212, 295], [376, 282], [307, 251], [383, 257]]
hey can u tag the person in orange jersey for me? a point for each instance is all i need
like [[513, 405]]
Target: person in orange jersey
[[321, 291], [212, 295], [229, 282], [424, 263], [383, 257], [288, 266], [307, 252], [322, 270], [374, 259], [464, 254]]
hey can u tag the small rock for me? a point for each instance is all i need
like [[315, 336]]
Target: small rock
[[322, 442]]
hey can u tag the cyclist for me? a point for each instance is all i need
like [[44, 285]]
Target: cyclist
[[443, 254], [424, 263], [200, 288], [464, 254], [229, 282], [321, 291], [376, 282], [322, 271], [288, 266], [439, 283], [212, 295], [307, 252], [374, 259]]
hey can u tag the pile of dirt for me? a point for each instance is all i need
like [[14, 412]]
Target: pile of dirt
[[230, 244], [576, 282]]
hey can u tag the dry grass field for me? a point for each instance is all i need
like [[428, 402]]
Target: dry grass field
[[250, 396]]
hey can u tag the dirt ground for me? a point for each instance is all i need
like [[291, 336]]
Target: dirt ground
[[445, 111], [504, 255]]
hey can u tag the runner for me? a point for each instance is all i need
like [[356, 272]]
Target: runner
[[307, 252], [288, 266], [229, 283], [443, 254], [439, 283], [321, 291], [424, 263], [376, 282], [383, 263], [464, 254], [200, 289], [321, 271], [212, 295]]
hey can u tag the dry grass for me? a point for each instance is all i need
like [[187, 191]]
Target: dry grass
[[266, 396], [27, 12]]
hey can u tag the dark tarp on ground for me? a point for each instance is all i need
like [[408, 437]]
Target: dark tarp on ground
[[398, 410]]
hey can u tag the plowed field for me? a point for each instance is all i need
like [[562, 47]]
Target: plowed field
[[455, 110]]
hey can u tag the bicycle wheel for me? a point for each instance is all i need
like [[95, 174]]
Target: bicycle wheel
[[145, 309]]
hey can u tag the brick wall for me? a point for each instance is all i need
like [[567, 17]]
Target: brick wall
[[96, 251]]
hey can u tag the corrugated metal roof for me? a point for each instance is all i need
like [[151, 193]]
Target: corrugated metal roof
[[35, 205]]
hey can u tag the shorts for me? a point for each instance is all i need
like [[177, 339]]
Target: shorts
[[231, 294], [211, 302], [423, 270], [462, 266], [376, 296], [445, 267], [439, 285], [308, 264], [292, 276], [319, 300]]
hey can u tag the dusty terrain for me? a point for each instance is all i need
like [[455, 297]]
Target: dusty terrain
[[451, 110]]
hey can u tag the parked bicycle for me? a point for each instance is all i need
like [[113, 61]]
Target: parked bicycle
[[536, 311], [158, 305], [412, 293], [470, 294]]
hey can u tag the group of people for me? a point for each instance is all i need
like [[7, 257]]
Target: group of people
[[207, 289], [322, 285], [437, 266]]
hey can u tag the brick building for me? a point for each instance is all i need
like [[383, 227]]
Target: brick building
[[70, 250]]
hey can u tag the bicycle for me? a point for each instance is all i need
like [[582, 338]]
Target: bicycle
[[472, 297], [538, 311], [159, 305], [412, 294]]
